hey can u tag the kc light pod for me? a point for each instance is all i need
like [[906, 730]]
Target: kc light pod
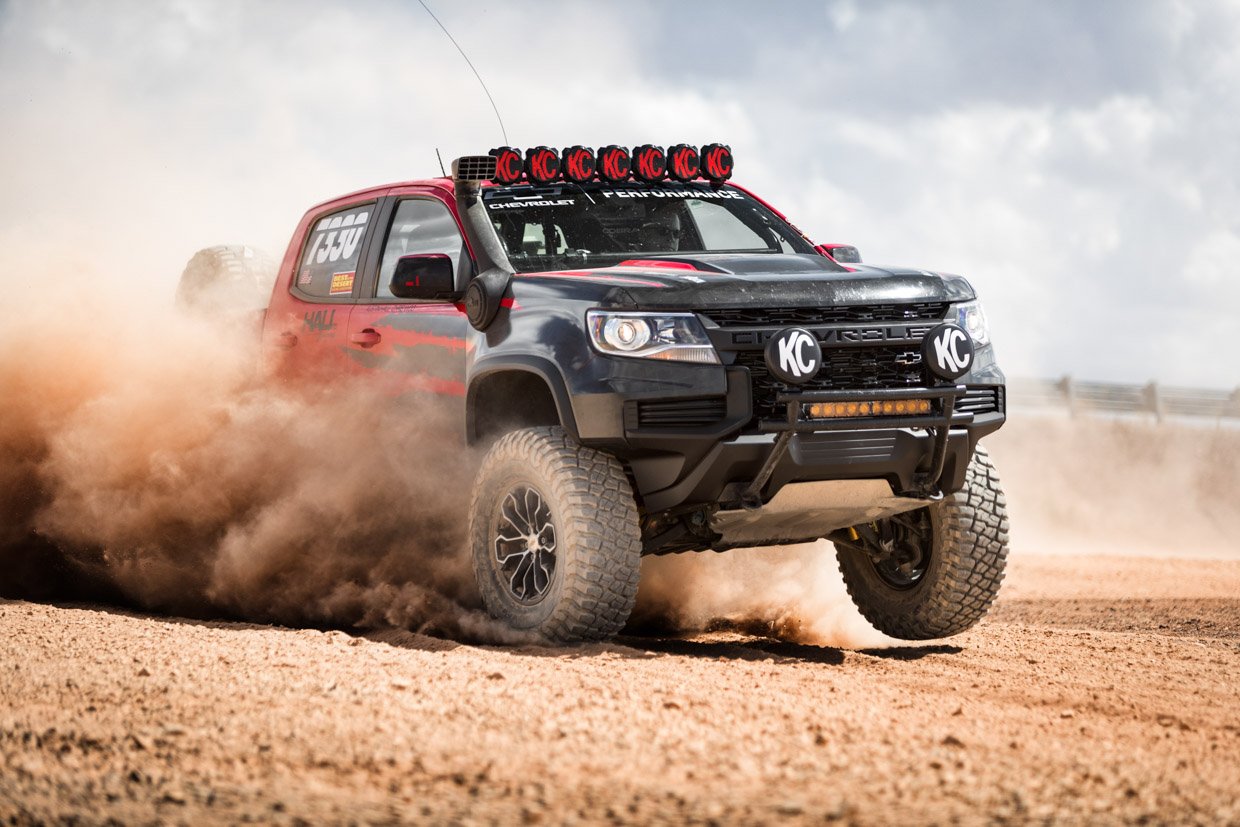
[[716, 162], [683, 163], [508, 166], [649, 164], [578, 164], [542, 164], [614, 164]]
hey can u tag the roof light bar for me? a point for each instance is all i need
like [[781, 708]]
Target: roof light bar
[[613, 164]]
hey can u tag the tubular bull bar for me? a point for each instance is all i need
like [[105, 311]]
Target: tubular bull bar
[[938, 423]]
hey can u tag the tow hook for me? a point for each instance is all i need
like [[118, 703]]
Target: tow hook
[[751, 497]]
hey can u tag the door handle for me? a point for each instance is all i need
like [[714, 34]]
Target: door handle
[[286, 340], [366, 338]]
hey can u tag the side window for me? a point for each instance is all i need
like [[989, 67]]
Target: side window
[[420, 226], [328, 265]]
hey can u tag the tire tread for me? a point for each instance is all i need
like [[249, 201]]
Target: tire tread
[[597, 511], [971, 537]]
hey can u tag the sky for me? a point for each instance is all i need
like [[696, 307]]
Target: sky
[[1079, 162]]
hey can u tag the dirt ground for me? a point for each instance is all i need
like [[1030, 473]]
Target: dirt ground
[[1100, 689]]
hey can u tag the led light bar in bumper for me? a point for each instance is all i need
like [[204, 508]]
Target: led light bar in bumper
[[897, 407]]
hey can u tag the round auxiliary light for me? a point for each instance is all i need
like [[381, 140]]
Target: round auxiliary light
[[649, 163], [613, 164], [716, 162], [507, 165], [626, 334], [683, 163], [578, 163], [542, 164]]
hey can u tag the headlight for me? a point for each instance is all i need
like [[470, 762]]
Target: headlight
[[972, 318], [673, 337]]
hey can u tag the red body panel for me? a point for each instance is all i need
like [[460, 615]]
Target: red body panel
[[308, 338]]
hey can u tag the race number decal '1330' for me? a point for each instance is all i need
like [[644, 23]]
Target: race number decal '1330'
[[333, 248], [337, 238]]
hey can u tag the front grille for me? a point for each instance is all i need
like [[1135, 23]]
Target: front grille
[[981, 400], [852, 368], [677, 413], [782, 316]]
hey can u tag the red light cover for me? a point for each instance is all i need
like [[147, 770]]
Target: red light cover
[[579, 164], [507, 165], [716, 162], [649, 163], [613, 164], [683, 163], [542, 164]]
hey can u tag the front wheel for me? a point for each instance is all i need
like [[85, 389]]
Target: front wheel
[[555, 537], [932, 572]]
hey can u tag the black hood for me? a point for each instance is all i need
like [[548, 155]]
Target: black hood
[[722, 280]]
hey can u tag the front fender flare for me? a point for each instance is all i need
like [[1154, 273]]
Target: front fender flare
[[543, 368]]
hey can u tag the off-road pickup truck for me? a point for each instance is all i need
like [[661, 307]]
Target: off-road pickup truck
[[659, 361]]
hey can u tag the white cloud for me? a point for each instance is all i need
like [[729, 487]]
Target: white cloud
[[1076, 161]]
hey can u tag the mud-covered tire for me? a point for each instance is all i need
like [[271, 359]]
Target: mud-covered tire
[[962, 577], [593, 585], [226, 281]]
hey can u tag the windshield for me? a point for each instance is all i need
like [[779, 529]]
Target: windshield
[[563, 226]]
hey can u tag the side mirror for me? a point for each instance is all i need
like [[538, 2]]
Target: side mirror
[[842, 253], [427, 277]]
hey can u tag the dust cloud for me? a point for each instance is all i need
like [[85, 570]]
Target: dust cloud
[[141, 459], [143, 462], [1104, 485], [794, 593]]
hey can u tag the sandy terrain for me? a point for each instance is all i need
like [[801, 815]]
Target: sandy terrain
[[1100, 689], [1103, 687]]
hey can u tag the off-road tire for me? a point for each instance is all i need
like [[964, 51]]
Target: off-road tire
[[226, 281], [961, 580], [598, 550]]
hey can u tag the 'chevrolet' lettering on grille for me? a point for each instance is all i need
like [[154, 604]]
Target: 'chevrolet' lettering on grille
[[842, 335]]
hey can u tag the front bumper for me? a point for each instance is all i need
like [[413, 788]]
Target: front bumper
[[676, 466], [926, 475]]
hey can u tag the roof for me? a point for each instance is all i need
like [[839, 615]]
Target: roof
[[379, 189]]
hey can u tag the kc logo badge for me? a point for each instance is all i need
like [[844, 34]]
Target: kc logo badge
[[794, 355], [948, 350]]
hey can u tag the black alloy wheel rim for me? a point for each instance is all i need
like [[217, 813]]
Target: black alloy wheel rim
[[525, 545], [907, 541]]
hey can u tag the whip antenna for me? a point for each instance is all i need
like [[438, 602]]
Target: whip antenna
[[470, 63]]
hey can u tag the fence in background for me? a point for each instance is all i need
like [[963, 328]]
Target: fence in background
[[1153, 399]]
